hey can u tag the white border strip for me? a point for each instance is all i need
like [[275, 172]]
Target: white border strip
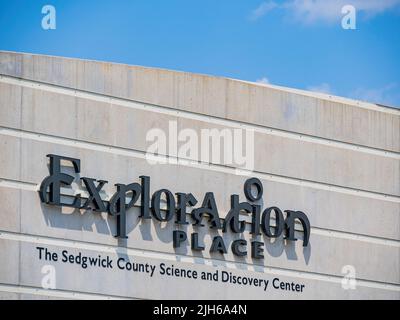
[[199, 117]]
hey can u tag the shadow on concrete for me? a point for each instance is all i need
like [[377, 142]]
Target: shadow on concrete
[[152, 235]]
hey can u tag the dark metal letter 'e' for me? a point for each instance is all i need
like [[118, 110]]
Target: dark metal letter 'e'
[[54, 181]]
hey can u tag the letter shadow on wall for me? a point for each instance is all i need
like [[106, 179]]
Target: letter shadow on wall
[[102, 223], [275, 247], [152, 231]]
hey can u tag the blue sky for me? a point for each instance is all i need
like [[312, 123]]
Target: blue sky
[[295, 43]]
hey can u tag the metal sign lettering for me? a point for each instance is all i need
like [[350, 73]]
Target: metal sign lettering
[[178, 205]]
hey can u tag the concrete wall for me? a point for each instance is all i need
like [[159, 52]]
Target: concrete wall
[[336, 159]]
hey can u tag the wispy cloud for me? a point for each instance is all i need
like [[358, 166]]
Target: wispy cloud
[[322, 88], [263, 9], [311, 11], [387, 95], [263, 80]]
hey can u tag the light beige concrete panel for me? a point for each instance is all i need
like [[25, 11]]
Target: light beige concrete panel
[[153, 86], [326, 254], [314, 116], [268, 106], [201, 94], [50, 69], [214, 96], [104, 123], [94, 122], [10, 261], [141, 285], [311, 161], [366, 127], [82, 119], [49, 113], [330, 210], [374, 258], [338, 209], [25, 296], [11, 63], [9, 296], [10, 105], [117, 126], [10, 201], [10, 157], [91, 76], [228, 98]]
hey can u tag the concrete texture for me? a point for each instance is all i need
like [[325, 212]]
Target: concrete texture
[[329, 210], [116, 125], [276, 107], [336, 159]]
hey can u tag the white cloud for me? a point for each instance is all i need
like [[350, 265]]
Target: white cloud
[[322, 88], [311, 11], [263, 80], [387, 95], [263, 9]]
